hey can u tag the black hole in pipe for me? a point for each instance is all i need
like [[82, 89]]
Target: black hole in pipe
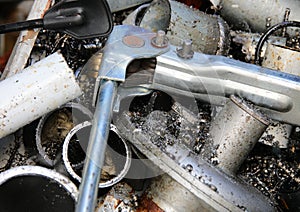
[[116, 151], [34, 193]]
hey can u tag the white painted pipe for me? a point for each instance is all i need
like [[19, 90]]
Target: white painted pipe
[[35, 91]]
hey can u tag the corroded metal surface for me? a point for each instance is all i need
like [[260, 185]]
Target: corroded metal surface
[[211, 187], [235, 131], [257, 16], [157, 16], [209, 33], [282, 58]]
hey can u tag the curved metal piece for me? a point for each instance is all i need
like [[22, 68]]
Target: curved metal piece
[[212, 78], [137, 47], [214, 189], [31, 187], [210, 34], [49, 120], [157, 16], [70, 169], [256, 16]]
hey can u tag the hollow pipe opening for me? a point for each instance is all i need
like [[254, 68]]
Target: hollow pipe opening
[[117, 157], [54, 127], [34, 188]]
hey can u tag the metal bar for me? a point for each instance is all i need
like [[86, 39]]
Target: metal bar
[[12, 27], [217, 77], [96, 147]]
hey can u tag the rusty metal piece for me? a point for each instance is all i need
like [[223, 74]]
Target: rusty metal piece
[[147, 204], [235, 131], [25, 42], [210, 34], [282, 58]]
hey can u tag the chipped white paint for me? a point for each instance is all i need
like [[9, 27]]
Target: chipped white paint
[[35, 91]]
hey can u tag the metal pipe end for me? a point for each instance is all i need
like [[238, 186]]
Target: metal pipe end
[[250, 109]]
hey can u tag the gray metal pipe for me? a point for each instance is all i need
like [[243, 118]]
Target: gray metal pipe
[[169, 195], [34, 188], [113, 140], [116, 6], [96, 147], [258, 15], [235, 131], [210, 34], [53, 122]]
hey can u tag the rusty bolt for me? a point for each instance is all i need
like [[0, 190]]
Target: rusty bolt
[[160, 40], [185, 51]]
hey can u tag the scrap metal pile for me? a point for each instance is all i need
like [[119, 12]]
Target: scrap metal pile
[[184, 106]]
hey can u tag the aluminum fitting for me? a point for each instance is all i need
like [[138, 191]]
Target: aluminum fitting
[[185, 51], [160, 40]]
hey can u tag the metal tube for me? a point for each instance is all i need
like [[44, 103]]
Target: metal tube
[[210, 34], [35, 91], [31, 188], [119, 175], [54, 122], [235, 131], [116, 6], [251, 14], [96, 147], [170, 195]]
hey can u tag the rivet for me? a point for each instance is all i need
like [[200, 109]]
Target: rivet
[[160, 40]]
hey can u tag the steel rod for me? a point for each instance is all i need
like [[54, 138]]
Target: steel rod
[[96, 147]]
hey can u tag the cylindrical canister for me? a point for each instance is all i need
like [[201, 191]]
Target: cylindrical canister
[[235, 131]]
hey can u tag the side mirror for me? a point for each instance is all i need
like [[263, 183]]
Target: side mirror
[[97, 18]]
